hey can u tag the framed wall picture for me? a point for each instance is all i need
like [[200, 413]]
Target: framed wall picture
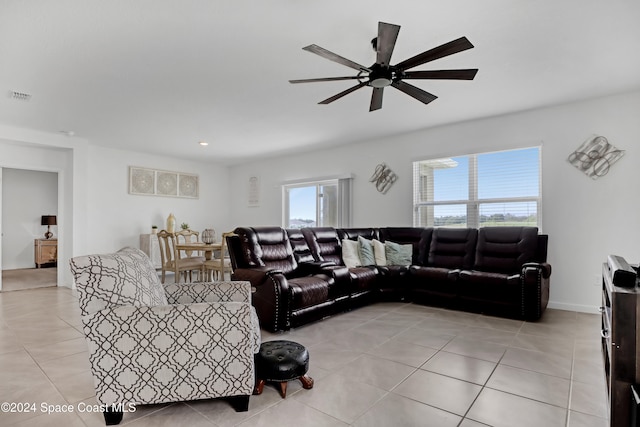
[[253, 191], [154, 182], [188, 185], [142, 181], [167, 183]]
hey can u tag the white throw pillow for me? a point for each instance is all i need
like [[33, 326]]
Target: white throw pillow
[[350, 255], [379, 252]]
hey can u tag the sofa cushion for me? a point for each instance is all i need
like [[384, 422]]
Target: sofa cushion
[[363, 278], [486, 278], [324, 244], [350, 256], [434, 273], [452, 248], [269, 247], [398, 254], [126, 277], [308, 291], [505, 249], [365, 250], [301, 251], [354, 233]]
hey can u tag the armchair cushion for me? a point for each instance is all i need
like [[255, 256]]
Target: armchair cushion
[[191, 293], [126, 277]]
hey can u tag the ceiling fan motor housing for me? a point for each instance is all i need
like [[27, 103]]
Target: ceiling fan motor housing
[[380, 76]]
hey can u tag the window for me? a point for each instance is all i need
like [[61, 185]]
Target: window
[[317, 204], [488, 189]]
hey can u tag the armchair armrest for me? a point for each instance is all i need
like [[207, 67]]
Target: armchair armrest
[[171, 353], [223, 291]]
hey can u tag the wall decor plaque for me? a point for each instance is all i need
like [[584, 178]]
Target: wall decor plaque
[[154, 182], [383, 178], [595, 157]]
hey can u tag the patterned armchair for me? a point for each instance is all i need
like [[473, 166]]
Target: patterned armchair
[[153, 344]]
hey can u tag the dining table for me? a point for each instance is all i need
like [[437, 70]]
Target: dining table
[[207, 248]]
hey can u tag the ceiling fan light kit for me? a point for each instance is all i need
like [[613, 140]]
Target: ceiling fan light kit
[[381, 74]]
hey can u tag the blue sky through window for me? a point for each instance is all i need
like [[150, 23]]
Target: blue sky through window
[[302, 203], [501, 175]]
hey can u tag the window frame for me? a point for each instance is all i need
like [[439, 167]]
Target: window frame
[[473, 202], [343, 199]]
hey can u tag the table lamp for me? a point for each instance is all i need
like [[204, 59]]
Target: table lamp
[[48, 220]]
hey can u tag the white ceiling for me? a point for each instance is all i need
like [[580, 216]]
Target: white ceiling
[[160, 75]]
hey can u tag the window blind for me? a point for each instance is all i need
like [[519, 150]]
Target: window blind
[[486, 189]]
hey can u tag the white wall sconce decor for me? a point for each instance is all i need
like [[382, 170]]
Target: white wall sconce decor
[[595, 157], [383, 178], [152, 182]]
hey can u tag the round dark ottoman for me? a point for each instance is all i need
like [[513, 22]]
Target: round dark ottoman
[[280, 362]]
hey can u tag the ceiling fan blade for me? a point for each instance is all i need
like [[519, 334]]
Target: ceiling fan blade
[[334, 57], [325, 79], [376, 99], [442, 74], [387, 36], [414, 92], [343, 93], [441, 51]]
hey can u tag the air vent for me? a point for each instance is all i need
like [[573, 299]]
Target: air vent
[[20, 96]]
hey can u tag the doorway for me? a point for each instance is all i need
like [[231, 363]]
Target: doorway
[[27, 196]]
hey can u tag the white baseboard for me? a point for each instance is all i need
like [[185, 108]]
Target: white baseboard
[[574, 307]]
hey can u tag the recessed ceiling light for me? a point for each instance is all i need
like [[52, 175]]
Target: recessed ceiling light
[[67, 132], [203, 143]]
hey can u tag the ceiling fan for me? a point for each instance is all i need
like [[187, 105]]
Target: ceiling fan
[[382, 74]]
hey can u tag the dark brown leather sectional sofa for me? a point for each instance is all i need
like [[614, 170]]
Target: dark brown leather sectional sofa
[[299, 275]]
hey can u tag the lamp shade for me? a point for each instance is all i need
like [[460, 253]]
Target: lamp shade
[[48, 220]]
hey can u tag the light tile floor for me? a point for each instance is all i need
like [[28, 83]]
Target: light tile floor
[[388, 364]]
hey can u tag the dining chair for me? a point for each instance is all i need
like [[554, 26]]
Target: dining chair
[[173, 261], [219, 266], [187, 236]]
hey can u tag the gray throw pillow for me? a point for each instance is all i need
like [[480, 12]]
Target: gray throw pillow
[[365, 250], [398, 254]]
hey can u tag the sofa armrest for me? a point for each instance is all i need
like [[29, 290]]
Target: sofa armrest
[[255, 275], [136, 352], [270, 296], [313, 267], [223, 291], [535, 289], [544, 267]]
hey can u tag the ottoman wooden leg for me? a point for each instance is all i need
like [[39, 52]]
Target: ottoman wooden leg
[[259, 387], [307, 382], [283, 389]]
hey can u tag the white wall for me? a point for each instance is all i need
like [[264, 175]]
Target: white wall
[[585, 219], [26, 196], [117, 218]]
